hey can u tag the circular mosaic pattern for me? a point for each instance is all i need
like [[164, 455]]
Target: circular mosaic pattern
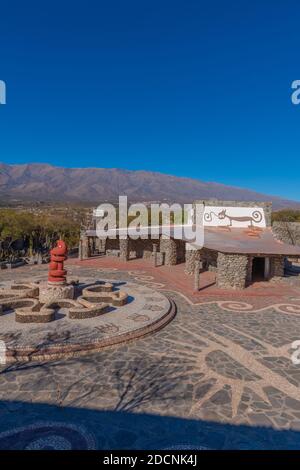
[[145, 312], [47, 436]]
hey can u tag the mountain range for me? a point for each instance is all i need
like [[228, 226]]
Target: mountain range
[[47, 183]]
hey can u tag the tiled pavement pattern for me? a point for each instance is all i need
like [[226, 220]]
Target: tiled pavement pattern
[[145, 310], [219, 375]]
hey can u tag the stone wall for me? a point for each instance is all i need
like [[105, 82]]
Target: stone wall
[[142, 248], [232, 271], [208, 258], [169, 248], [277, 266], [249, 270], [288, 232], [172, 250]]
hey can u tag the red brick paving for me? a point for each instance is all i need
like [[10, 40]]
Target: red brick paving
[[174, 278]]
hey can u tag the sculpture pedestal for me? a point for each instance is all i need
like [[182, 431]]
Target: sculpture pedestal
[[52, 292]]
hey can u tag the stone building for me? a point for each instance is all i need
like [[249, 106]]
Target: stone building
[[238, 245]]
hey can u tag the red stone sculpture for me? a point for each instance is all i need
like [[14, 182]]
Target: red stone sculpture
[[57, 273]]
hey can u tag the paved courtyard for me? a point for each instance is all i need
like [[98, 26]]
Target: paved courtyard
[[218, 376]]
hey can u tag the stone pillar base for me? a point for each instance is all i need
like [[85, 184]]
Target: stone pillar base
[[52, 293]]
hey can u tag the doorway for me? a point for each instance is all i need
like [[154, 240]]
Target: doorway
[[258, 269]]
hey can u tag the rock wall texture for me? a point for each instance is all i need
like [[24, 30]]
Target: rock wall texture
[[277, 266], [190, 257], [249, 270], [142, 248], [169, 248], [288, 232], [232, 271], [208, 258]]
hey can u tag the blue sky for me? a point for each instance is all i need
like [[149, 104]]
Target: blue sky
[[190, 88]]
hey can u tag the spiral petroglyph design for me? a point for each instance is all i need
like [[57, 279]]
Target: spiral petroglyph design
[[233, 306], [288, 308]]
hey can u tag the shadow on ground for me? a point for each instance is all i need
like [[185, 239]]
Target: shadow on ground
[[42, 426]]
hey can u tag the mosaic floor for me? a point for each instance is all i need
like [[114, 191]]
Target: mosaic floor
[[146, 311], [218, 376]]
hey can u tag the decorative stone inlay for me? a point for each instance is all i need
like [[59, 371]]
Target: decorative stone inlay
[[41, 301], [47, 436], [182, 391], [23, 290], [104, 293], [80, 326]]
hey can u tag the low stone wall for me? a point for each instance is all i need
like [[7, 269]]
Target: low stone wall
[[232, 271]]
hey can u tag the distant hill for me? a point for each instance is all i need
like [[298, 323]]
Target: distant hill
[[43, 182]]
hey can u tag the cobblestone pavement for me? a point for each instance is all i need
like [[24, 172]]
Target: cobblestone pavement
[[220, 375]]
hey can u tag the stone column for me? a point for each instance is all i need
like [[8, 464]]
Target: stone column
[[85, 247], [124, 249], [191, 256], [98, 244], [232, 271], [168, 246], [80, 257], [197, 266], [249, 270], [155, 255]]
